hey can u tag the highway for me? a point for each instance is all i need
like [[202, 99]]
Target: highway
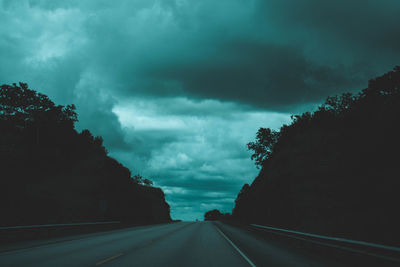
[[175, 244]]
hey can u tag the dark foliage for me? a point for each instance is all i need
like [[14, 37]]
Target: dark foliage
[[334, 171], [50, 173], [214, 215], [263, 146]]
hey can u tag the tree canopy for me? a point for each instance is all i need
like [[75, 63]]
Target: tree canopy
[[264, 145], [212, 215], [52, 173], [334, 171], [21, 106]]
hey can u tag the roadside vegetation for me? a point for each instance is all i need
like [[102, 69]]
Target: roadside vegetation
[[216, 215], [334, 171], [51, 173]]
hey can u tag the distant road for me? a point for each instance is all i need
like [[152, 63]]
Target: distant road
[[176, 244]]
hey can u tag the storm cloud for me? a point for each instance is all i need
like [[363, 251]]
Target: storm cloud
[[178, 87]]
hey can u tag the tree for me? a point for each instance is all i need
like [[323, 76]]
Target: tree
[[139, 179], [264, 145], [339, 104], [245, 189], [147, 182], [25, 106], [50, 173], [334, 171], [212, 215]]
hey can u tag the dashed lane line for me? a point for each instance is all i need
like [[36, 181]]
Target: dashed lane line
[[109, 259]]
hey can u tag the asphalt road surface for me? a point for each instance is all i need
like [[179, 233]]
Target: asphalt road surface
[[175, 244]]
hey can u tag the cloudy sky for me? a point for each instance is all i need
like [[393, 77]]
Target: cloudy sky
[[178, 87]]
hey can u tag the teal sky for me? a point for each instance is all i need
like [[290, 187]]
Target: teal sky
[[178, 87]]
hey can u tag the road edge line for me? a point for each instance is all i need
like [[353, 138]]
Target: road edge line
[[237, 249]]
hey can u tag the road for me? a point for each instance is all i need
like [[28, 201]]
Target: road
[[176, 244]]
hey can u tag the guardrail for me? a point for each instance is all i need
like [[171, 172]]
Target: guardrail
[[55, 225], [13, 234], [372, 249]]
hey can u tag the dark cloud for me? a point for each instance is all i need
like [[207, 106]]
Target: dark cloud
[[368, 25], [267, 75]]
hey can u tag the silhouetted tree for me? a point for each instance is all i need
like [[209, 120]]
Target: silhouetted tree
[[51, 173], [333, 171], [147, 182], [242, 192], [212, 215], [139, 179], [22, 106], [264, 145]]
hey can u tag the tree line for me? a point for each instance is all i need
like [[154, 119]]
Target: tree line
[[334, 171], [51, 173]]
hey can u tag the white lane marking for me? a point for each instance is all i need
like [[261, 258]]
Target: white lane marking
[[237, 249], [109, 259]]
